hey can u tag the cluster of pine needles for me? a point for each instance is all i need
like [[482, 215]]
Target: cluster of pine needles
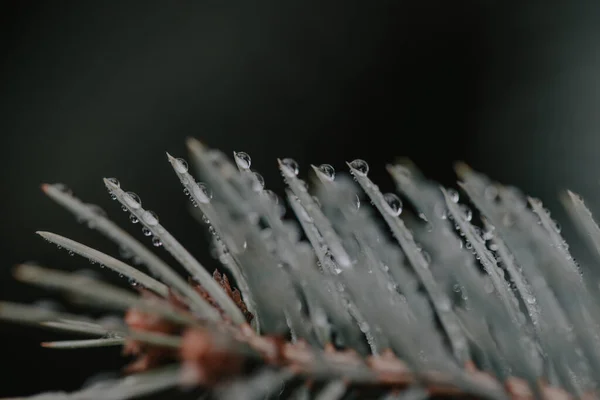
[[348, 300]]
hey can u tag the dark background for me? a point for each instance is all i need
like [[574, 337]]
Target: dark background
[[94, 89]]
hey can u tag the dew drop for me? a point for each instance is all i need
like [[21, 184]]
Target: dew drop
[[180, 165], [467, 213], [71, 253], [113, 196], [393, 204], [557, 227], [328, 171], [242, 159], [454, 196], [133, 219], [202, 193], [290, 166], [114, 181], [360, 167], [150, 218], [156, 242], [258, 182], [488, 234], [132, 200], [146, 231], [186, 191]]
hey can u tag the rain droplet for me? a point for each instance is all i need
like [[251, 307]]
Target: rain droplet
[[242, 159], [328, 171], [557, 226], [113, 196], [114, 181], [132, 200], [156, 242], [202, 193], [71, 253], [290, 166], [488, 234], [360, 166], [467, 213], [150, 218], [453, 194], [180, 165], [146, 231], [186, 191], [258, 182], [133, 219], [393, 204]]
